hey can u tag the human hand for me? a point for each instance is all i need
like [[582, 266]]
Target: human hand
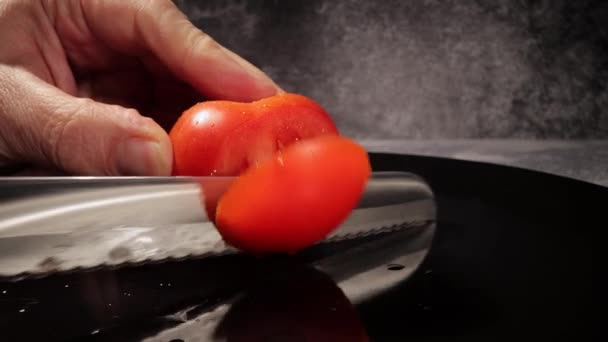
[[77, 78]]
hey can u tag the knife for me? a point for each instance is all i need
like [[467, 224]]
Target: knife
[[60, 224]]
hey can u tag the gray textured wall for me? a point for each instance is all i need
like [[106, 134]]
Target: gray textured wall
[[430, 68]]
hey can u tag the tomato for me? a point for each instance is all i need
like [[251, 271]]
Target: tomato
[[296, 198], [225, 138], [298, 178]]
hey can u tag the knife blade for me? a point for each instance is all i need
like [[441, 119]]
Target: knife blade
[[59, 224]]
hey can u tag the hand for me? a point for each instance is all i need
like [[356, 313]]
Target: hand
[[76, 78]]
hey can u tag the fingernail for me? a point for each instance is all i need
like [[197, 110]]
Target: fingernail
[[140, 157]]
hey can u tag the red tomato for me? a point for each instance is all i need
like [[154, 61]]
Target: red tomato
[[225, 138], [296, 198]]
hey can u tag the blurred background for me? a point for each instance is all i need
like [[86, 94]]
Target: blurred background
[[516, 82], [430, 69]]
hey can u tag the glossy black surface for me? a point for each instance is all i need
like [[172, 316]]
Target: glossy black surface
[[511, 259]]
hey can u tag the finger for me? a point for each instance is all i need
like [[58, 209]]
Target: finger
[[158, 27], [49, 128]]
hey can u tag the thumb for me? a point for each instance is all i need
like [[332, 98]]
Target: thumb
[[44, 126]]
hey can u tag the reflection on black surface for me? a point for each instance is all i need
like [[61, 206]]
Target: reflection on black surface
[[186, 299], [300, 305], [117, 305], [285, 301]]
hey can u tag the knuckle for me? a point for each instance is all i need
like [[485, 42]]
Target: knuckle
[[127, 118], [196, 42], [165, 5], [199, 40]]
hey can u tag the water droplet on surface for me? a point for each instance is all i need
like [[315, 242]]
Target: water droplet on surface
[[67, 285], [22, 310], [4, 292], [96, 331]]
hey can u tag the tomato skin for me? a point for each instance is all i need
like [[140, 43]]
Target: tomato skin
[[224, 137], [296, 198]]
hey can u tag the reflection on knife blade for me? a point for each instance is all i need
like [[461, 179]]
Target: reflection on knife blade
[[61, 224]]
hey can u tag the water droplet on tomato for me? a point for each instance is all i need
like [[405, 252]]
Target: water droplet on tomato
[[280, 158], [201, 118]]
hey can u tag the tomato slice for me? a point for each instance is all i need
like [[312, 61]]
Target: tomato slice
[[295, 198], [225, 138]]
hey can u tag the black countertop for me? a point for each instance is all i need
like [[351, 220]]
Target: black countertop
[[582, 160], [511, 256]]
